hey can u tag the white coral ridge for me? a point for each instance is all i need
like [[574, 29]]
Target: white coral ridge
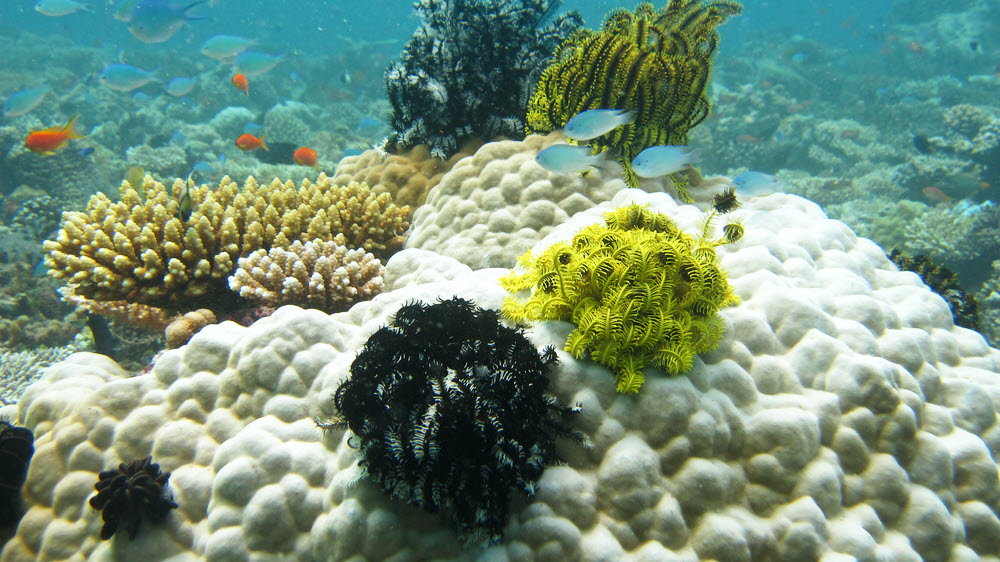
[[325, 275], [844, 415]]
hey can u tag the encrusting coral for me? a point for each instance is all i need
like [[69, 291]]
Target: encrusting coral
[[656, 63], [325, 275], [181, 328], [142, 250], [641, 292], [407, 175]]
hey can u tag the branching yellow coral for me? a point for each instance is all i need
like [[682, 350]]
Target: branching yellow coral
[[640, 291], [141, 250], [655, 62]]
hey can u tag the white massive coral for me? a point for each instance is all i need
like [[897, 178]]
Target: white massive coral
[[843, 415]]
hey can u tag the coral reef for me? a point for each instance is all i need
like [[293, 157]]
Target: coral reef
[[469, 69], [181, 328], [842, 415], [142, 250], [18, 369], [407, 176], [640, 291], [325, 275], [656, 63], [962, 237], [288, 123], [493, 205], [468, 418], [130, 494]]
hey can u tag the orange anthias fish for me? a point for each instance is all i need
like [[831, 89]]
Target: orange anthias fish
[[935, 194], [250, 142], [241, 83], [47, 141], [305, 156]]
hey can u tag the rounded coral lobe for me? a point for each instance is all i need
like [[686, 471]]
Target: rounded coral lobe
[[450, 411]]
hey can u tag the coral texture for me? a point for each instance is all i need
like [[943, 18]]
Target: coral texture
[[497, 203], [181, 328], [641, 292], [655, 63], [843, 415], [407, 176], [325, 275], [462, 392], [469, 69], [130, 494], [141, 250]]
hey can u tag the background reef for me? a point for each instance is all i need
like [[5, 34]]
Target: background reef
[[886, 116]]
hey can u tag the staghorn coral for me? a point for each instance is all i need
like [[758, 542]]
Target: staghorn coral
[[407, 176], [656, 63], [641, 292], [469, 68], [140, 250], [328, 275]]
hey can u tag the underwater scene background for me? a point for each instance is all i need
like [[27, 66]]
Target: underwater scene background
[[166, 166]]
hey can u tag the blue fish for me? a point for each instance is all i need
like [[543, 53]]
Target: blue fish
[[204, 168], [756, 184], [155, 21], [568, 159], [351, 152], [180, 86], [593, 123], [141, 97], [253, 128], [225, 47], [177, 138], [24, 101], [663, 160], [252, 63], [86, 151], [59, 7], [125, 77]]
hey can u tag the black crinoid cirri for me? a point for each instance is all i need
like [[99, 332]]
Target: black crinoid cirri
[[131, 493], [449, 410], [17, 444]]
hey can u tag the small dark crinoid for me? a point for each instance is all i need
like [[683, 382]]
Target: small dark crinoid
[[131, 493], [450, 412]]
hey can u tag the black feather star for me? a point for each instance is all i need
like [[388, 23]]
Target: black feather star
[[450, 411], [131, 493], [17, 444]]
